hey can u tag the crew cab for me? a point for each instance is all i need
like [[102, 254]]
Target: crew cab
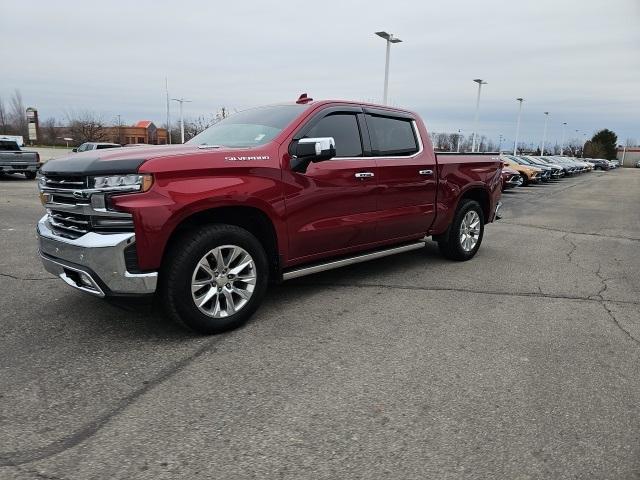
[[15, 160], [265, 195]]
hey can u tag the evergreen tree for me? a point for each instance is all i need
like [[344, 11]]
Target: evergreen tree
[[605, 141]]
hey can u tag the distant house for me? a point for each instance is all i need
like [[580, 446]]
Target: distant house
[[145, 131]]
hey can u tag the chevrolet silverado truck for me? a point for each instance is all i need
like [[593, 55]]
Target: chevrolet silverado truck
[[266, 195], [14, 160]]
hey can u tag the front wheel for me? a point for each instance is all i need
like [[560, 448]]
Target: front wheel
[[214, 278], [30, 175], [465, 233]]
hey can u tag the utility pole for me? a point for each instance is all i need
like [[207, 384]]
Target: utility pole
[[166, 91], [515, 143], [480, 82], [544, 133], [181, 101]]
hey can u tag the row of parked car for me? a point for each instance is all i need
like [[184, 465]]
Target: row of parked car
[[526, 169]]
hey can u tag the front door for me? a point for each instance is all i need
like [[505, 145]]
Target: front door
[[331, 208]]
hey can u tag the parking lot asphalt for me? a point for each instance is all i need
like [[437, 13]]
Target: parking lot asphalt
[[522, 363]]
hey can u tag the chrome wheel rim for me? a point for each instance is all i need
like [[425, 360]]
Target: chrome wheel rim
[[469, 230], [223, 281]]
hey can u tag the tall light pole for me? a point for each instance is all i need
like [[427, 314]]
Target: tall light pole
[[544, 133], [181, 101], [459, 135], [166, 91], [390, 39], [500, 143], [515, 143], [480, 82], [564, 124]]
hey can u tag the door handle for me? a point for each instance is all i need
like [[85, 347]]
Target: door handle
[[364, 175], [425, 172]]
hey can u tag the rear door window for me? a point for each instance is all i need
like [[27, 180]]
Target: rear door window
[[391, 137], [343, 127]]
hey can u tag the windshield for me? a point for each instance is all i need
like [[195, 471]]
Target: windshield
[[519, 160], [249, 128]]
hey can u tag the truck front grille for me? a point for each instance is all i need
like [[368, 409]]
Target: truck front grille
[[73, 212], [69, 225]]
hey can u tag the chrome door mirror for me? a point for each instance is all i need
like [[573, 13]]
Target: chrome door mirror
[[307, 150], [316, 149]]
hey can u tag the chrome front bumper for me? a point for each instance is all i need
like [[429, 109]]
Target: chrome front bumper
[[515, 180], [93, 263]]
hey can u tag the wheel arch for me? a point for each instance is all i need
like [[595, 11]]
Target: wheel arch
[[251, 218]]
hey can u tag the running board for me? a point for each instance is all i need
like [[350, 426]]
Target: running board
[[321, 267]]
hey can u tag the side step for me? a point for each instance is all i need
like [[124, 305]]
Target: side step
[[321, 267]]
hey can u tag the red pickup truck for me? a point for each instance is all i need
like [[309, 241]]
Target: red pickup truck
[[266, 195]]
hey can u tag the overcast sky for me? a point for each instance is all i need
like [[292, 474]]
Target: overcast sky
[[577, 59]]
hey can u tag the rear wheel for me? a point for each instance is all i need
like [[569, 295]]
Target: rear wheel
[[465, 234], [215, 277]]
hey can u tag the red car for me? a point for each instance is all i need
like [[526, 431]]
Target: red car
[[510, 178], [266, 195]]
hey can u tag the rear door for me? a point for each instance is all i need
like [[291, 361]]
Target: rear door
[[406, 175], [331, 208]]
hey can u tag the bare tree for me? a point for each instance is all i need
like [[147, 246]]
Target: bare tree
[[87, 126], [4, 118], [48, 132], [18, 114]]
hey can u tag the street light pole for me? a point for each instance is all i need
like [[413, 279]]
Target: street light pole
[[459, 135], [181, 101], [544, 133], [515, 143], [166, 91], [390, 39], [564, 124], [480, 82]]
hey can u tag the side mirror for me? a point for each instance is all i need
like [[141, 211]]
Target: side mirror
[[74, 150], [312, 150]]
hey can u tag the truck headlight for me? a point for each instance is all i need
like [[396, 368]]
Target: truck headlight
[[122, 183]]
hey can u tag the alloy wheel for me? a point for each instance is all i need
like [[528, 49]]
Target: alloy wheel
[[469, 230], [223, 281]]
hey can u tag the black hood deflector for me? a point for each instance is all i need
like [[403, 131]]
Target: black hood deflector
[[91, 166]]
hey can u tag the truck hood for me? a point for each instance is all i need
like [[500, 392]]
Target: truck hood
[[126, 159]]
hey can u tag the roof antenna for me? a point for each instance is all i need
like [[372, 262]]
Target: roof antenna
[[303, 98]]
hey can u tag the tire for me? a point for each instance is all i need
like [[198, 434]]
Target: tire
[[30, 175], [525, 179], [192, 259], [452, 245]]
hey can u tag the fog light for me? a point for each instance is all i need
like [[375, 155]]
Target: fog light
[[85, 280]]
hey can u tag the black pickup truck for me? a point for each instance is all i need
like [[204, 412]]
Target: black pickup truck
[[15, 160]]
